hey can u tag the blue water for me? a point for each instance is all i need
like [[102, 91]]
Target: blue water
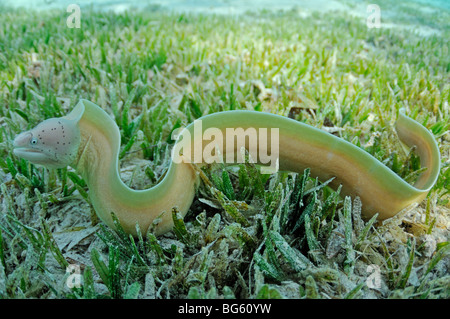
[[196, 5], [444, 4], [392, 12]]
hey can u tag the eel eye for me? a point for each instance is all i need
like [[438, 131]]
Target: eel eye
[[33, 141]]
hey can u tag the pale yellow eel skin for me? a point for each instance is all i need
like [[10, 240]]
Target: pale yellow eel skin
[[89, 140]]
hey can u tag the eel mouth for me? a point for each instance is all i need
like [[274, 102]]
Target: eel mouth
[[22, 149], [33, 155], [25, 150]]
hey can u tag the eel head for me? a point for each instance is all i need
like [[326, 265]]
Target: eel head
[[53, 143]]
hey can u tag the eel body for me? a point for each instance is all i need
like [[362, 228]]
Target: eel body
[[89, 140]]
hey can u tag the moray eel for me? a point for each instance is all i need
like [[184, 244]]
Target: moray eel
[[88, 140]]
